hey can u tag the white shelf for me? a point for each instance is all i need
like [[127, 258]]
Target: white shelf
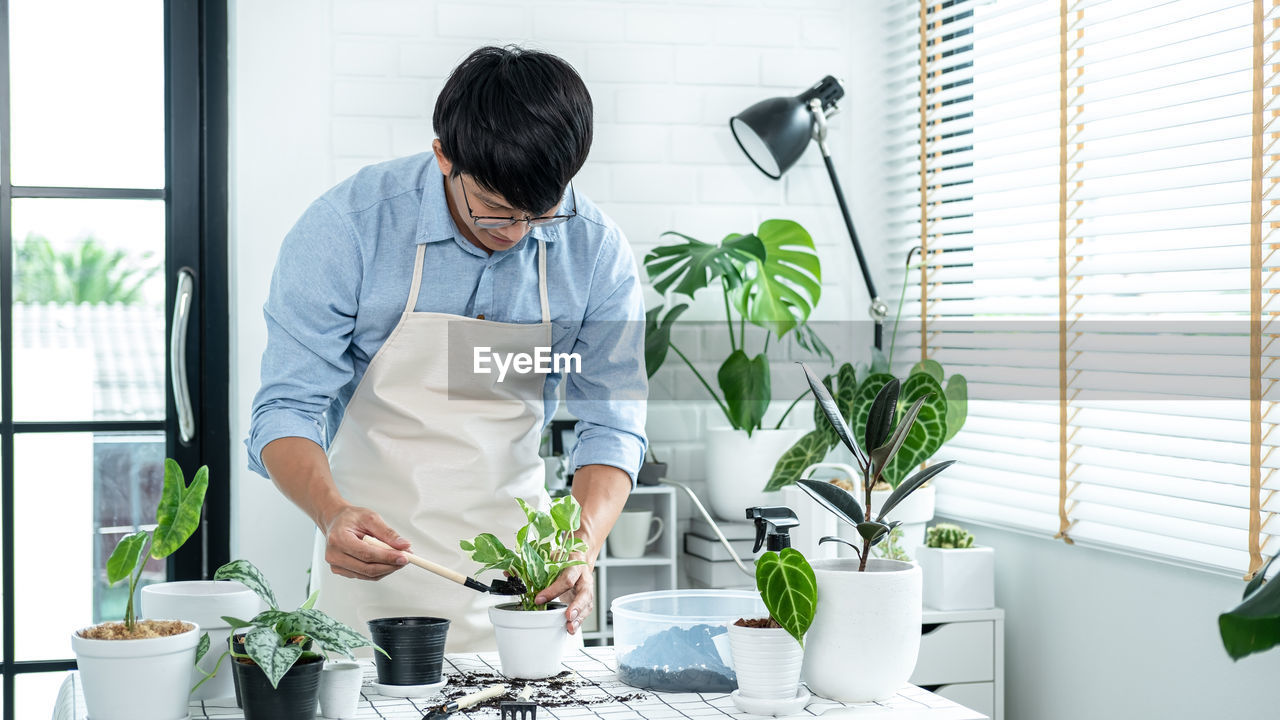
[[650, 559]]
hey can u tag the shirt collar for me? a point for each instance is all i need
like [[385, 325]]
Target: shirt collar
[[435, 224]]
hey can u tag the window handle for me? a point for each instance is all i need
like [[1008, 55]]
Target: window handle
[[178, 355]]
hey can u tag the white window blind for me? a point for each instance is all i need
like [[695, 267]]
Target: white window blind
[[1091, 183]]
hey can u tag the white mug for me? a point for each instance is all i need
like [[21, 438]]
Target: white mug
[[628, 537]]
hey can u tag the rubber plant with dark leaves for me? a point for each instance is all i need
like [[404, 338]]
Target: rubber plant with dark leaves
[[177, 517], [544, 547], [1253, 626], [772, 279], [886, 440], [275, 639], [789, 590]]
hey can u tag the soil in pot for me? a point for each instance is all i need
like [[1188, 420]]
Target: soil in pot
[[142, 630], [416, 647], [679, 660], [295, 698], [757, 623]]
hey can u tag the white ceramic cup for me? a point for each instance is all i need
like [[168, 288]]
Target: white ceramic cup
[[340, 684], [633, 533]]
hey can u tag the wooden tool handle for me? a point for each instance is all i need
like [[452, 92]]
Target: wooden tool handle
[[492, 691], [423, 563]]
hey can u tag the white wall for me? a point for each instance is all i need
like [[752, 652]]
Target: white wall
[[1100, 635], [321, 88]]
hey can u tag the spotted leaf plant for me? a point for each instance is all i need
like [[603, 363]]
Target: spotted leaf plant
[[544, 547], [885, 435]]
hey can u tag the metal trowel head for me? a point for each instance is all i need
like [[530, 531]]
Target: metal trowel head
[[508, 586]]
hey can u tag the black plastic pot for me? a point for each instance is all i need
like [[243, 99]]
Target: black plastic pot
[[416, 647], [295, 698], [237, 646]]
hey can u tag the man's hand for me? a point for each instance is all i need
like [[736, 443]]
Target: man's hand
[[349, 556], [578, 583]]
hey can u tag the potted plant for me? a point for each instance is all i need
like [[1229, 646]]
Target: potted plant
[[958, 575], [866, 602], [941, 416], [771, 279], [275, 654], [768, 652], [141, 669], [531, 637]]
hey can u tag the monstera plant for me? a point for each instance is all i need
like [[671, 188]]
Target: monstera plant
[[770, 279], [942, 414]]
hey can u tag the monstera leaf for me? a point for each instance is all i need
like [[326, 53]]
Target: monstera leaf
[[787, 279], [927, 433], [745, 382], [789, 590], [657, 335], [690, 266], [1254, 625]]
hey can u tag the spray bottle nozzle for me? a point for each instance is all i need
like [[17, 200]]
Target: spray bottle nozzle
[[773, 524]]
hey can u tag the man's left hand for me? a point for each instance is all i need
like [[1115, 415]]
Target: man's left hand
[[576, 586]]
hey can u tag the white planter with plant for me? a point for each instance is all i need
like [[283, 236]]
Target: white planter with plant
[[771, 279], [958, 575], [531, 637], [866, 633], [279, 670], [141, 669], [768, 653]]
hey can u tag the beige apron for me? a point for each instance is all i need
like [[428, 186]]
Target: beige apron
[[440, 452]]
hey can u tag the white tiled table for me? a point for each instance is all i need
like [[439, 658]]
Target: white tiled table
[[593, 668]]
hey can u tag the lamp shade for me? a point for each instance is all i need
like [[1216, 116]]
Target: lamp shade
[[773, 133]]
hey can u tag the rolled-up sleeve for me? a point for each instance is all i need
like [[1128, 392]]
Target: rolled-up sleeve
[[609, 395], [310, 314]]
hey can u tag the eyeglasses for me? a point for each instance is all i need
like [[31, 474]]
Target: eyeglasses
[[490, 222]]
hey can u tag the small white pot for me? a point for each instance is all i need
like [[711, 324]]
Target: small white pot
[[340, 684], [958, 579], [865, 636], [204, 602], [137, 679], [767, 662], [738, 468], [530, 642]]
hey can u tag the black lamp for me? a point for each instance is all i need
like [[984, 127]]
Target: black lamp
[[774, 133]]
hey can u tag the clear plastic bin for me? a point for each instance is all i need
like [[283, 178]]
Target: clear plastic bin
[[676, 640]]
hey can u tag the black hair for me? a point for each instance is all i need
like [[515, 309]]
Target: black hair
[[518, 121]]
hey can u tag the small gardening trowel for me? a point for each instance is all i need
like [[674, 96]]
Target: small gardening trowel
[[440, 712], [501, 586]]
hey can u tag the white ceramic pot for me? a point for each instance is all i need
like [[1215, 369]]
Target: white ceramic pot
[[958, 579], [530, 642], [738, 468], [137, 679], [865, 636], [340, 684], [204, 602], [767, 662]]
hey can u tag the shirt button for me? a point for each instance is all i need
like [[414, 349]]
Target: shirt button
[[480, 316]]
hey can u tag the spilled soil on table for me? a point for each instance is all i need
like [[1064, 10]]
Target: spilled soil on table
[[557, 691]]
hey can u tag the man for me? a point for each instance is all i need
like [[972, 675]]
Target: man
[[385, 295]]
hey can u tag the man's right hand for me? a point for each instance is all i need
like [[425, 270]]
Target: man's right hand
[[349, 556]]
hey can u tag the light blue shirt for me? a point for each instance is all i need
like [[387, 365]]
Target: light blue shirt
[[342, 279]]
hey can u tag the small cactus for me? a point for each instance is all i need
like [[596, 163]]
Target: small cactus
[[948, 536]]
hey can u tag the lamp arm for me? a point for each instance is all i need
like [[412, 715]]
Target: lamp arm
[[878, 310]]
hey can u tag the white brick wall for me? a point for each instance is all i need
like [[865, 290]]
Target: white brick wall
[[665, 78]]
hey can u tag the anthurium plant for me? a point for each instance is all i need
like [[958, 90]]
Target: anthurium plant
[[789, 590], [1253, 626], [886, 438], [177, 517], [543, 548], [275, 639], [771, 279]]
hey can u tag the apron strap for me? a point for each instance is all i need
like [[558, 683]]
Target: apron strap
[[542, 280], [417, 279]]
